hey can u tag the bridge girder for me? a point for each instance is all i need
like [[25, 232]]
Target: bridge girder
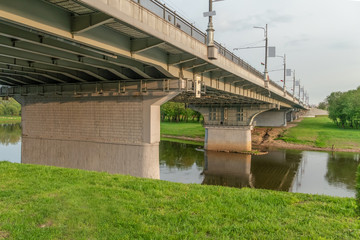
[[84, 44]]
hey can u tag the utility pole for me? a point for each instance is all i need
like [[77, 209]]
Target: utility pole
[[266, 57], [212, 50], [266, 74], [284, 75], [210, 31], [294, 86]]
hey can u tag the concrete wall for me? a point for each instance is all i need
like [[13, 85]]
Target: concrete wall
[[68, 128], [232, 139], [271, 119]]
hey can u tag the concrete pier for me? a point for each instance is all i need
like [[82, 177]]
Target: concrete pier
[[274, 118], [125, 129], [232, 139], [228, 127]]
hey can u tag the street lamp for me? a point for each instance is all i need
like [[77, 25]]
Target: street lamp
[[284, 86], [266, 76], [212, 54], [294, 84], [287, 72]]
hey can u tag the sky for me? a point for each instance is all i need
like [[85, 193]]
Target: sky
[[321, 38]]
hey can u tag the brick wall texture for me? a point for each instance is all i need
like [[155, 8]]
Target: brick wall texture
[[98, 119]]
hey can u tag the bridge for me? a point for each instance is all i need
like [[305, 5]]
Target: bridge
[[92, 74]]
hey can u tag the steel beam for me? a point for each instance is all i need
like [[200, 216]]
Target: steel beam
[[49, 69], [86, 22], [143, 44], [76, 49]]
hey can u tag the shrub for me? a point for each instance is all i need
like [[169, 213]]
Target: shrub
[[10, 108]]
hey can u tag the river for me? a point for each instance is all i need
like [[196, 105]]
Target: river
[[311, 172]]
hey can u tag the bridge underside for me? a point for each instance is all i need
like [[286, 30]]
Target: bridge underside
[[93, 74]]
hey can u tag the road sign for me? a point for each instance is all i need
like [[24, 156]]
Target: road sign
[[209, 14], [272, 52], [288, 72]]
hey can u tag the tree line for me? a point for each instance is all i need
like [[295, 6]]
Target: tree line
[[344, 108], [10, 107], [178, 112]]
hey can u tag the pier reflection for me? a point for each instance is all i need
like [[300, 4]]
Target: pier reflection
[[93, 156], [227, 169], [275, 170], [10, 133]]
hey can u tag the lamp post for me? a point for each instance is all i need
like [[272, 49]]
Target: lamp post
[[284, 85], [294, 85], [266, 76], [210, 31]]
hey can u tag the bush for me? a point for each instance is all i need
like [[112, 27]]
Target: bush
[[358, 189], [10, 107]]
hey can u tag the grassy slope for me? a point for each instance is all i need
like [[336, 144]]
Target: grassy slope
[[182, 129], [39, 202], [5, 119], [198, 143], [322, 132], [358, 189]]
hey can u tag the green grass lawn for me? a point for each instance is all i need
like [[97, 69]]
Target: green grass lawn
[[40, 202], [10, 119], [322, 132], [182, 129]]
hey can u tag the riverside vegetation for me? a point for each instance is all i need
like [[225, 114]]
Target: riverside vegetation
[[10, 107], [318, 132], [344, 108], [10, 111], [322, 132], [42, 202], [358, 190]]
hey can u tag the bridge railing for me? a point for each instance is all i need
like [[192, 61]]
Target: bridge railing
[[172, 17]]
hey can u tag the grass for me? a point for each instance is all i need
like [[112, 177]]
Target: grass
[[183, 141], [358, 189], [10, 119], [182, 129], [322, 132], [41, 202]]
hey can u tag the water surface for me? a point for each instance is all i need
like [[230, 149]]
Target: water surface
[[284, 170]]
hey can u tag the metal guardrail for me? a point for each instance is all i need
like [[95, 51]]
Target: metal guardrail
[[172, 17]]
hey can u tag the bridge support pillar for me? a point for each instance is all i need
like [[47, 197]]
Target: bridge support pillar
[[117, 134], [228, 127], [273, 118], [231, 139]]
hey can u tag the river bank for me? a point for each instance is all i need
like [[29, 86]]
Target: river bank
[[10, 119], [41, 202], [314, 134]]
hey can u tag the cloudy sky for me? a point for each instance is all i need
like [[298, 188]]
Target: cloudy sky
[[321, 38]]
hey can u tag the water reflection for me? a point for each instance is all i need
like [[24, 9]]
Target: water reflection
[[340, 169], [135, 160], [180, 163], [327, 173], [229, 169], [285, 170], [10, 142], [10, 133]]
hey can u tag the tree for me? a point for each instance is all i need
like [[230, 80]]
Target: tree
[[178, 112], [323, 105], [10, 107], [344, 108]]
